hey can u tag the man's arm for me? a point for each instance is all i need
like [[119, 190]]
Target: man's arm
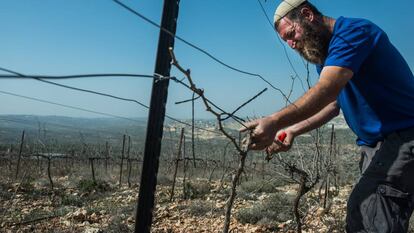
[[331, 82], [316, 121]]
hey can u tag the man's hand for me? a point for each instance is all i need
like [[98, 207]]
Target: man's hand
[[263, 131], [281, 146], [325, 92]]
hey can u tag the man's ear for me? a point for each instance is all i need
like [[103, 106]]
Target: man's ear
[[307, 14]]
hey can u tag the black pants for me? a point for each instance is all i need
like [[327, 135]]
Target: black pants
[[382, 200]]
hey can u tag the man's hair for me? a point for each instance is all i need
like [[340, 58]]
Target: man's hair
[[295, 14]]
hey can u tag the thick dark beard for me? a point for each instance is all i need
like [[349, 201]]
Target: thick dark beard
[[315, 43]]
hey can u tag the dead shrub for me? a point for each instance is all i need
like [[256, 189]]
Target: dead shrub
[[276, 208], [196, 189]]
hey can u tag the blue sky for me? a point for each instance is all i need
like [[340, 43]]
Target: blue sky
[[57, 37]]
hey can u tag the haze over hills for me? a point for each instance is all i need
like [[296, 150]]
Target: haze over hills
[[68, 129], [97, 130]]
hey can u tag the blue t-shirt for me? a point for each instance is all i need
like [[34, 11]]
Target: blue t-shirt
[[379, 99]]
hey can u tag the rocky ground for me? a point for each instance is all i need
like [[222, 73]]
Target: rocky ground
[[106, 208]]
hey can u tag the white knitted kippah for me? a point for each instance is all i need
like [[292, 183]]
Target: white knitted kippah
[[285, 7]]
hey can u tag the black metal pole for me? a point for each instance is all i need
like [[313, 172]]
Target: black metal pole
[[156, 119]]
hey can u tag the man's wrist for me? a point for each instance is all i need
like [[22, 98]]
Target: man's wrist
[[274, 118], [293, 130]]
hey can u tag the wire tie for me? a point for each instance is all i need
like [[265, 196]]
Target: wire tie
[[159, 77]]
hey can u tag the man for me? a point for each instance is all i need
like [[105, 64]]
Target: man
[[366, 77]]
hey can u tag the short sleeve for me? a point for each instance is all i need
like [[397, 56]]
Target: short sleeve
[[350, 47]]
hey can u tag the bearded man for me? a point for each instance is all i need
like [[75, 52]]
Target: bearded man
[[366, 77]]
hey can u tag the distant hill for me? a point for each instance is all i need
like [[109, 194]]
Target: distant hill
[[339, 122], [67, 129], [75, 130]]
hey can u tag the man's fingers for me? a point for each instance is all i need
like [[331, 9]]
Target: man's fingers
[[278, 146], [270, 149], [286, 144], [248, 125], [288, 141], [274, 148]]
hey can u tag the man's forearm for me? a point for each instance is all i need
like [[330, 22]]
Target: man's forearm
[[331, 81], [316, 121]]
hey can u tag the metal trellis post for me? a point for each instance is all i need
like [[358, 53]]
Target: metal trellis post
[[156, 119]]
